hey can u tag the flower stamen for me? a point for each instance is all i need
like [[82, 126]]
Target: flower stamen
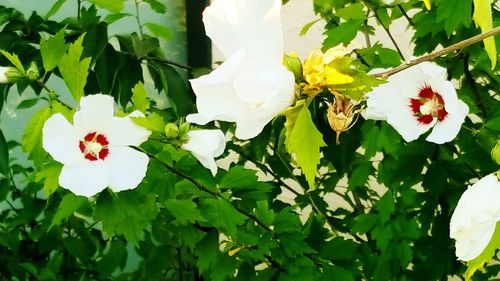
[[94, 146], [427, 106]]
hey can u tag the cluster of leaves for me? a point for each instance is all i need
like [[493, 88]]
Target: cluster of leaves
[[380, 208]]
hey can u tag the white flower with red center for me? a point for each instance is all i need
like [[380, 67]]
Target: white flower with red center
[[416, 100], [95, 150], [206, 145], [474, 220], [252, 86]]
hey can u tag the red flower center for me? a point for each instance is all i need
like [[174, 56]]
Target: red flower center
[[94, 146], [428, 105]]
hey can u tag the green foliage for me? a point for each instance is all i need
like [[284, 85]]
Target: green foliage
[[305, 142], [73, 70], [14, 59], [120, 214], [53, 50], [4, 157], [140, 98]]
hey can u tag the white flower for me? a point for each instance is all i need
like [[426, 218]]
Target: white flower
[[95, 149], [252, 86], [473, 222], [416, 100], [3, 74], [206, 145]]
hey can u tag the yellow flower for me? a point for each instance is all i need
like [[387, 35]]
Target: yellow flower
[[323, 70]]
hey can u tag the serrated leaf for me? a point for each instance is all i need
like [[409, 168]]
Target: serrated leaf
[[140, 98], [33, 133], [263, 213], [305, 142], [53, 50], [487, 254], [69, 204], [153, 122], [157, 6], [352, 12], [74, 71], [385, 206], [114, 6], [184, 211], [50, 176], [344, 33], [221, 214], [454, 14], [111, 18], [126, 213], [484, 19], [159, 30], [291, 115], [4, 157], [14, 59], [55, 8]]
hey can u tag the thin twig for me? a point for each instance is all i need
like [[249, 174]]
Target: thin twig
[[410, 22], [390, 36], [452, 48]]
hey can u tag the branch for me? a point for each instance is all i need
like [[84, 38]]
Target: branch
[[452, 48]]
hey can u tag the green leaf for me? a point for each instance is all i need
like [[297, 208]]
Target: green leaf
[[291, 115], [74, 71], [4, 157], [126, 213], [157, 6], [184, 211], [263, 213], [53, 50], [145, 46], [352, 12], [55, 8], [113, 258], [32, 136], [14, 59], [344, 33], [153, 122], [140, 98], [50, 176], [111, 18], [159, 30], [454, 14], [114, 6], [364, 223], [221, 214], [484, 19], [487, 254], [69, 204], [27, 103], [385, 206], [305, 141], [307, 26]]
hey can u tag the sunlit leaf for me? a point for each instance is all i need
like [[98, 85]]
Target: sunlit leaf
[[484, 19], [74, 71]]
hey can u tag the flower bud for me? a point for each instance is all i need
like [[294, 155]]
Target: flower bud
[[171, 131], [292, 63], [32, 73], [10, 75], [495, 153]]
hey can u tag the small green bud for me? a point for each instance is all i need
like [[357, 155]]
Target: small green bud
[[32, 73], [292, 63], [171, 131], [10, 75], [495, 153]]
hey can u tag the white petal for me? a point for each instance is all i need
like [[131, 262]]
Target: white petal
[[447, 130], [127, 167], [474, 219], [3, 76], [380, 102], [61, 141], [252, 25], [86, 179], [94, 115], [123, 131], [216, 98], [205, 145], [431, 69], [197, 118], [406, 124]]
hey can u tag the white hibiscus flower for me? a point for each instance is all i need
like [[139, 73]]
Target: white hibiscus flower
[[206, 145], [473, 222], [95, 149], [252, 86], [416, 100]]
